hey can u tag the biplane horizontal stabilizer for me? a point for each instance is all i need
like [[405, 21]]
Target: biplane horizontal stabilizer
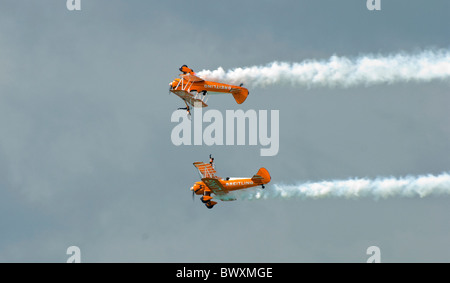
[[262, 177]]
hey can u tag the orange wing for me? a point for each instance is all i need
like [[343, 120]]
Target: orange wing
[[215, 186], [205, 170], [192, 78]]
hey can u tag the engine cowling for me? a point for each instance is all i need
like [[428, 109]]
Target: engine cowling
[[198, 189]]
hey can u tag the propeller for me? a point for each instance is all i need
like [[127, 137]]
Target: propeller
[[194, 191]]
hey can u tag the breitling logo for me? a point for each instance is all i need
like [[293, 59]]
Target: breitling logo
[[217, 86]]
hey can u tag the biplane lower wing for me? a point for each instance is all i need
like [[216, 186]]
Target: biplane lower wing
[[215, 186], [189, 98]]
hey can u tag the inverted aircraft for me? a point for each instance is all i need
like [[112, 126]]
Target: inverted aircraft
[[213, 187], [194, 90]]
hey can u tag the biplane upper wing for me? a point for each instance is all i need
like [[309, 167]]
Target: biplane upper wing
[[205, 170], [192, 78], [215, 186], [189, 98]]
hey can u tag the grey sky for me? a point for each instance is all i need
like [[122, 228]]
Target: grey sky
[[86, 157]]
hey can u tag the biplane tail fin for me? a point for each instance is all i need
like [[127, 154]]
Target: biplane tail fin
[[262, 176], [240, 94]]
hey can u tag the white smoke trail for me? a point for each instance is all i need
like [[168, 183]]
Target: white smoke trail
[[341, 71], [410, 186]]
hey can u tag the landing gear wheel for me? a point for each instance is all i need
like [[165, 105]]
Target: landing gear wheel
[[210, 204]]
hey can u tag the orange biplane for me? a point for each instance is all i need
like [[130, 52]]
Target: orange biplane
[[194, 90], [219, 187]]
